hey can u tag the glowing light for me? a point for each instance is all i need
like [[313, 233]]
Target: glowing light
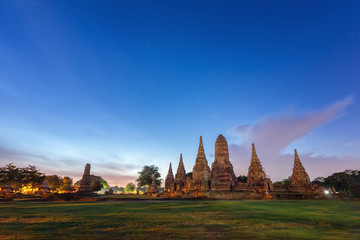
[[326, 192]]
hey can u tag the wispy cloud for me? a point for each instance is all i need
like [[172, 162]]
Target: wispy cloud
[[273, 135], [111, 170]]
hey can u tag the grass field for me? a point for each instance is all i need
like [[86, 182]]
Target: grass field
[[306, 219]]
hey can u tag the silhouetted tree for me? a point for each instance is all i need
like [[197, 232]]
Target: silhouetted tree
[[67, 185], [130, 187], [146, 176], [12, 175], [356, 190], [2, 176], [96, 186], [348, 181], [54, 182], [32, 177], [343, 180], [319, 181], [242, 178], [285, 181]]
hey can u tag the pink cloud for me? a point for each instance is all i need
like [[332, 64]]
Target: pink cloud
[[113, 172], [272, 135]]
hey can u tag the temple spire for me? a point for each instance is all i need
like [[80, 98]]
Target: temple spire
[[85, 182], [201, 147], [201, 170], [221, 151], [256, 173], [169, 181], [296, 158], [297, 161], [254, 156], [170, 170], [153, 188], [201, 157], [180, 177], [299, 175], [181, 168], [222, 173]]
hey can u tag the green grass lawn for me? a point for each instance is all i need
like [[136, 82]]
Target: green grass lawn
[[304, 219]]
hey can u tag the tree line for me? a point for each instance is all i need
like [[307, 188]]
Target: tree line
[[346, 181], [30, 176]]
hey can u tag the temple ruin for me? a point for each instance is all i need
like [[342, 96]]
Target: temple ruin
[[256, 173], [220, 181], [169, 181], [222, 174], [201, 171], [85, 181], [180, 177], [153, 188], [299, 176]]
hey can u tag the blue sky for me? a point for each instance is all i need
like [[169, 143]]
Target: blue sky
[[121, 84]]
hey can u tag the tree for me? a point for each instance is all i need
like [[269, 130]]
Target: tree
[[102, 181], [67, 185], [95, 178], [12, 175], [32, 177], [2, 176], [319, 181], [242, 178], [348, 180], [54, 182], [189, 174], [130, 187], [286, 181], [96, 186], [146, 176]]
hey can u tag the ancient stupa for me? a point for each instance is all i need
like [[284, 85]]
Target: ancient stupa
[[169, 181], [222, 172], [256, 173], [299, 176], [201, 170], [221, 181], [86, 180], [153, 188], [180, 177]]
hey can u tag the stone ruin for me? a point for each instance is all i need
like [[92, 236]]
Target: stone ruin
[[169, 181], [300, 185], [220, 181], [299, 176], [85, 182], [201, 171], [153, 188], [222, 173], [256, 173], [180, 177]]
